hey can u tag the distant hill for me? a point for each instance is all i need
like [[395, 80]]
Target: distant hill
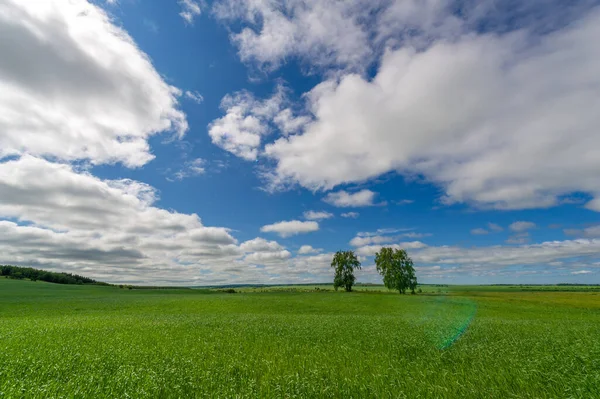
[[20, 273]]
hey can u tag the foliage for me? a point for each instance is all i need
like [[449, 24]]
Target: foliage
[[397, 269], [85, 341], [345, 262], [19, 273]]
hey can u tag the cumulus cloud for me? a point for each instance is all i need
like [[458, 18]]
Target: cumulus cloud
[[266, 257], [74, 220], [189, 10], [307, 249], [73, 85], [382, 231], [194, 96], [494, 256], [372, 249], [498, 260], [351, 35], [350, 215], [521, 233], [246, 121], [359, 241], [261, 245], [55, 217], [591, 231], [288, 123], [344, 199], [194, 167], [521, 226], [319, 33], [494, 227], [290, 228], [317, 215], [519, 238], [522, 136], [371, 241], [491, 228]]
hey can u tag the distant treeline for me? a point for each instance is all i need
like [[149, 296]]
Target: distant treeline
[[546, 285], [20, 273]]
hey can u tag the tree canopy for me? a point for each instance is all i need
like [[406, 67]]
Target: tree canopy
[[19, 273], [345, 262], [397, 269]]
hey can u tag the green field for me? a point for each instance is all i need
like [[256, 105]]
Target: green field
[[60, 341]]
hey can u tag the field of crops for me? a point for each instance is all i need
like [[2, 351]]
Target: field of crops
[[89, 341]]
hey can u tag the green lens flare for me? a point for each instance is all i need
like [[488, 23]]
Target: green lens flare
[[461, 329]]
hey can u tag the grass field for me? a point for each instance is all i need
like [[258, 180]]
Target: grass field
[[463, 342]]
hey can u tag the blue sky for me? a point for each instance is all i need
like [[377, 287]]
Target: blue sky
[[192, 143]]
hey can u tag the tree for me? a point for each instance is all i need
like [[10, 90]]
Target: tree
[[344, 262], [397, 269]]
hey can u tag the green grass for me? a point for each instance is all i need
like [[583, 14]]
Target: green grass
[[86, 341]]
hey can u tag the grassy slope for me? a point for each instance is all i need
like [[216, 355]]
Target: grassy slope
[[87, 341]]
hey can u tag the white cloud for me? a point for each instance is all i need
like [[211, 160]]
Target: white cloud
[[415, 235], [521, 235], [594, 204], [522, 136], [288, 123], [519, 238], [320, 33], [307, 249], [246, 121], [494, 227], [266, 257], [189, 10], [582, 272], [382, 231], [351, 35], [350, 215], [521, 226], [76, 86], [260, 251], [261, 245], [290, 228], [371, 250], [317, 215], [403, 202], [55, 196], [194, 96], [194, 167], [362, 241], [385, 236], [495, 259], [112, 231], [78, 220], [592, 231], [344, 199], [387, 230], [54, 217]]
